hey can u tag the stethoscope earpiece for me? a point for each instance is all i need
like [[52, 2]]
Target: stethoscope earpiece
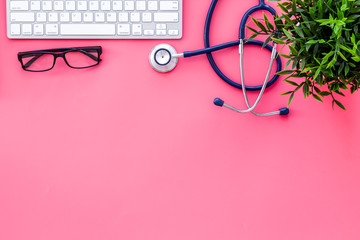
[[284, 111], [218, 102]]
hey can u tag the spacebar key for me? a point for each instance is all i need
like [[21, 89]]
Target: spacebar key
[[87, 29]]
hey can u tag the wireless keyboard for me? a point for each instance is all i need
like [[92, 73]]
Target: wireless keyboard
[[94, 19]]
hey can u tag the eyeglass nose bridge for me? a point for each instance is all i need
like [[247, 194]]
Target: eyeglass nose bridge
[[57, 55], [60, 55]]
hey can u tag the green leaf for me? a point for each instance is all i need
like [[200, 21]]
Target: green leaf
[[299, 32], [292, 83], [266, 41], [252, 29], [317, 72], [291, 98], [285, 72], [327, 56], [288, 34], [287, 64], [347, 69], [268, 24], [340, 104], [317, 97], [302, 65], [277, 41], [342, 56], [324, 94], [259, 24], [306, 90], [286, 93]]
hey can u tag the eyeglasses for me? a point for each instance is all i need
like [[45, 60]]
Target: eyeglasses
[[44, 60]]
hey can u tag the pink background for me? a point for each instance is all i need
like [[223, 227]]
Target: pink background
[[120, 151]]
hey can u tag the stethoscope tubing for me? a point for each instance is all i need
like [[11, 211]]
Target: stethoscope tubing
[[261, 6], [251, 42], [241, 42], [274, 55], [211, 49]]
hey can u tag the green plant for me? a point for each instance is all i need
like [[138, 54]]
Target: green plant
[[324, 45]]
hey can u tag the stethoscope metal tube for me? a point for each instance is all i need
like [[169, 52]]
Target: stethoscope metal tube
[[164, 58], [281, 111], [241, 52]]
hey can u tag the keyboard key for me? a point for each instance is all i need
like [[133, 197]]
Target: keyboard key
[[100, 17], [173, 32], [19, 5], [87, 29], [22, 17], [117, 5], [52, 29], [82, 5], [94, 5], [58, 5], [146, 17], [111, 17], [161, 32], [161, 26], [38, 29], [153, 5], [124, 29], [105, 5], [41, 17], [76, 17], [129, 6], [88, 17], [27, 29], [123, 17], [70, 5], [148, 32], [140, 5], [35, 5], [135, 17], [166, 17], [53, 17], [169, 5], [15, 29], [64, 17], [136, 29], [46, 5]]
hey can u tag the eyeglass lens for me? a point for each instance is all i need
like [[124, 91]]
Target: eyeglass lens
[[81, 59], [38, 62]]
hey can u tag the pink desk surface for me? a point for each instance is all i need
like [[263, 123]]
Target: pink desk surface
[[122, 152]]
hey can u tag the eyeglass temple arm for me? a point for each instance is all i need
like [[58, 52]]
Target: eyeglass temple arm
[[28, 64], [91, 56]]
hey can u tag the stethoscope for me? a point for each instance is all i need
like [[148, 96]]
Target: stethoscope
[[164, 58]]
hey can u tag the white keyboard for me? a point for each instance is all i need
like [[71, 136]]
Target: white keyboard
[[94, 19]]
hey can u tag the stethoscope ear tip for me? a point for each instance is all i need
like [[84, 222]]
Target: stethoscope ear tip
[[284, 111], [218, 102]]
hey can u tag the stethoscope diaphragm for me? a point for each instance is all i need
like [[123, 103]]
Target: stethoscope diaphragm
[[161, 58]]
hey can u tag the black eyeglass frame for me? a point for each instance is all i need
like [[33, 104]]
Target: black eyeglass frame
[[59, 52]]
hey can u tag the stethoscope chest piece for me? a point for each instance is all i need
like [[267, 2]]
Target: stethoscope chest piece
[[161, 58]]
